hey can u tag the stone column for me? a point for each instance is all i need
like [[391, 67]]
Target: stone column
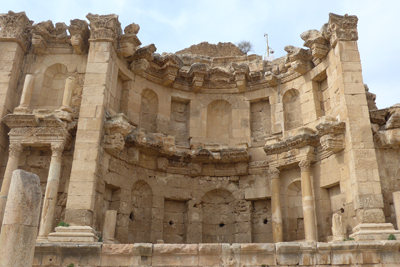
[[15, 150], [19, 229], [99, 77], [110, 221], [26, 97], [50, 197], [277, 230], [396, 203], [68, 90], [308, 201]]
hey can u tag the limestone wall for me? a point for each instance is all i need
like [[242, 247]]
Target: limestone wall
[[384, 253]]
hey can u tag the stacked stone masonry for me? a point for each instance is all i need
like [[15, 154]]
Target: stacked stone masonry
[[205, 157]]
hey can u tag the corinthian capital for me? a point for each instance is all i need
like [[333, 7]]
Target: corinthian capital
[[273, 173], [15, 150], [104, 27], [341, 28], [304, 165], [15, 27], [57, 149]]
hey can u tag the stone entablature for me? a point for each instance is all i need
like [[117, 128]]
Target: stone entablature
[[194, 149]]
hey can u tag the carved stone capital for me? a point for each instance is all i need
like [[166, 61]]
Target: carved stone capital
[[57, 149], [15, 27], [341, 28], [274, 173], [104, 27], [304, 165], [15, 150]]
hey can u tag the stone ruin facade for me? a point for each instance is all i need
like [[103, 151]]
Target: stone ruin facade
[[205, 157]]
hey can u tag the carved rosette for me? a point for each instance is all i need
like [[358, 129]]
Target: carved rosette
[[57, 149], [304, 165], [104, 28], [15, 150], [341, 28], [274, 173], [16, 27]]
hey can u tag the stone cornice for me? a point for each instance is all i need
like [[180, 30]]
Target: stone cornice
[[294, 142]]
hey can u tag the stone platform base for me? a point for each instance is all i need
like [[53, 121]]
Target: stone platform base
[[374, 231], [73, 234], [349, 253]]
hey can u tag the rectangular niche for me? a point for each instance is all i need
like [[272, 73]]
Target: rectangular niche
[[260, 121], [174, 224], [180, 112], [261, 222], [320, 84]]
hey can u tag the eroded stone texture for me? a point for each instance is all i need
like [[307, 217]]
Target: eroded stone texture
[[207, 145]]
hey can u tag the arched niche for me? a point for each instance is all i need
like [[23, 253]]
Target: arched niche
[[219, 121], [140, 218], [292, 110], [148, 111], [218, 217], [294, 205], [52, 89]]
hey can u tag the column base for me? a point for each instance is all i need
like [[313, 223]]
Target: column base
[[42, 239], [374, 231], [22, 111], [73, 234]]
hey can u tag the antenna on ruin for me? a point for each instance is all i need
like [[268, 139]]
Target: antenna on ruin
[[269, 51]]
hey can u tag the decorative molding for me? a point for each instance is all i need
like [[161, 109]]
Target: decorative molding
[[104, 28], [340, 28], [16, 27], [304, 165]]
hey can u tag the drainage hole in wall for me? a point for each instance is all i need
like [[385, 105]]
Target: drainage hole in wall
[[342, 210], [171, 223], [265, 221], [131, 216], [221, 225], [50, 260]]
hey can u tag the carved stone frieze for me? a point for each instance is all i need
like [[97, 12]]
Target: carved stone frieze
[[297, 141], [80, 33], [340, 28], [104, 28], [15, 121], [16, 27]]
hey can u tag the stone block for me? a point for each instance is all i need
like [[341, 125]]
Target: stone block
[[257, 254], [287, 253], [175, 255]]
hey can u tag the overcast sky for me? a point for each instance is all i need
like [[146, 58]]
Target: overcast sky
[[175, 25]]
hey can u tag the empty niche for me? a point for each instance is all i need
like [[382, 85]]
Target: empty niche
[[261, 223], [180, 114], [110, 202], [260, 120], [140, 218], [292, 110], [148, 111], [52, 89], [114, 96], [218, 217], [320, 84], [219, 120], [174, 224], [294, 210]]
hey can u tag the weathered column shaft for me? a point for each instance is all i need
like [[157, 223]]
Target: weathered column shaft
[[19, 229], [277, 230], [308, 202], [69, 87], [27, 91], [50, 197], [12, 164], [110, 221]]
